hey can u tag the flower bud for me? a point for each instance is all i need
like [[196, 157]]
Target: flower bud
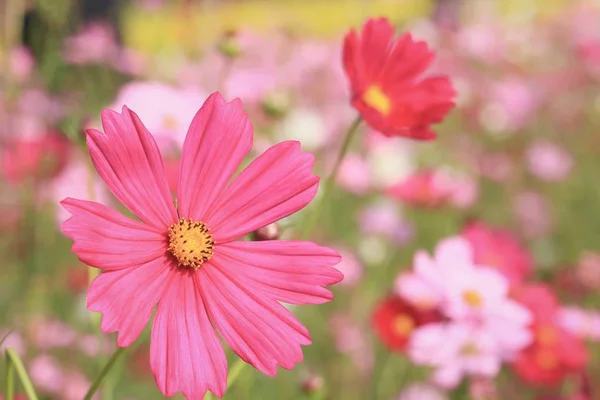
[[269, 232]]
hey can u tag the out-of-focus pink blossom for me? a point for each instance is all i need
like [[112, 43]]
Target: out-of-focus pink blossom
[[482, 41], [483, 389], [424, 188], [495, 166], [76, 180], [12, 340], [37, 159], [351, 267], [580, 322], [499, 249], [94, 43], [533, 214], [75, 386], [422, 391], [353, 174], [21, 63], [588, 270], [548, 161], [52, 334], [166, 111], [511, 105], [383, 218], [351, 340], [455, 350], [46, 374]]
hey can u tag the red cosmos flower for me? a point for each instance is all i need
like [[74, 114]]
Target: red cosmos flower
[[422, 189], [554, 353], [39, 158], [394, 320], [500, 249], [385, 85]]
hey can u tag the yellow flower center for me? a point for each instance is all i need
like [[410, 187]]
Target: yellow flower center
[[403, 325], [375, 98], [170, 122], [472, 298], [546, 359], [469, 349], [190, 243], [546, 335]]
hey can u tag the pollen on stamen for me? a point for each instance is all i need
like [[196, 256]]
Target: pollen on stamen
[[190, 243]]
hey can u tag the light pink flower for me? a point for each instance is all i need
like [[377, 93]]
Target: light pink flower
[[94, 43], [76, 180], [455, 350], [350, 267], [46, 374], [75, 386], [12, 340], [188, 260], [354, 175], [580, 322], [422, 391], [351, 340], [465, 291], [383, 218], [511, 105], [47, 335], [548, 161], [166, 110], [21, 63], [533, 214]]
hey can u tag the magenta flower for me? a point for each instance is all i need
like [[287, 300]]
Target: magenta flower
[[186, 259]]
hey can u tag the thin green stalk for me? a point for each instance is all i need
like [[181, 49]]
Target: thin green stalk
[[10, 380], [331, 179], [234, 373], [13, 358], [104, 372]]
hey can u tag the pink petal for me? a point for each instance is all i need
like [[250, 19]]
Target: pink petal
[[185, 352], [128, 160], [127, 297], [275, 185], [292, 272], [219, 138], [257, 328], [103, 238]]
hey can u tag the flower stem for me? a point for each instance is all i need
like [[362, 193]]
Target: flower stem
[[104, 372], [10, 380], [13, 359], [234, 373], [331, 179]]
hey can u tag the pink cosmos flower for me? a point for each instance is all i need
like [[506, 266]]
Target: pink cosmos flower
[[580, 322], [46, 373], [422, 391], [455, 350], [186, 259], [548, 161], [351, 267], [465, 291], [167, 110], [354, 175]]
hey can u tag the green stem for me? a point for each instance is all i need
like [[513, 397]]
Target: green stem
[[331, 179], [10, 380], [104, 372], [13, 358], [234, 373]]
